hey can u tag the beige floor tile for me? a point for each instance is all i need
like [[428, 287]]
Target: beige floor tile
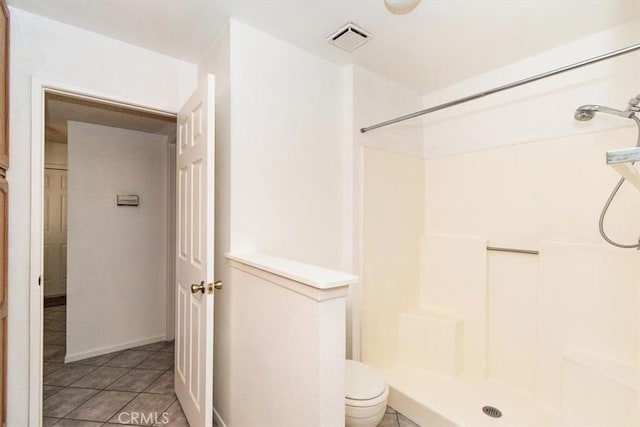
[[48, 421], [102, 406], [50, 368], [55, 338], [158, 361], [77, 423], [50, 390], [101, 377], [153, 347], [55, 326], [65, 401], [145, 409], [169, 347], [136, 380], [389, 420], [174, 417], [163, 385], [67, 375], [55, 315], [406, 422], [129, 359], [54, 353], [98, 360]]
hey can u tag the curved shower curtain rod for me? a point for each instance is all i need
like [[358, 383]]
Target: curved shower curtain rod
[[531, 79]]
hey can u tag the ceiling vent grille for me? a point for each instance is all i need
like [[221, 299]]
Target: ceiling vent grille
[[349, 37]]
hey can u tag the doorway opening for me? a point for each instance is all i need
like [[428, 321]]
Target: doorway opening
[[108, 253]]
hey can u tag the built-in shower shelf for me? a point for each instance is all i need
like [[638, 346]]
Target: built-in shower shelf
[[622, 161]]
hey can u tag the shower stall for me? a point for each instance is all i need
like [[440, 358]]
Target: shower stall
[[501, 285]]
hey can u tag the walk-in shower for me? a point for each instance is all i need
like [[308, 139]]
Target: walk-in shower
[[619, 159], [464, 327]]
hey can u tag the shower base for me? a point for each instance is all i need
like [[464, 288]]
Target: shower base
[[441, 401]]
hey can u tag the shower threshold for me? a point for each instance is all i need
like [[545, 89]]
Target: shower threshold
[[438, 400]]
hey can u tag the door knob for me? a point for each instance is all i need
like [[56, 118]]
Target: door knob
[[202, 287], [198, 288]]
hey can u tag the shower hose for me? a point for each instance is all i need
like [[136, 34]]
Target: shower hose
[[610, 199]]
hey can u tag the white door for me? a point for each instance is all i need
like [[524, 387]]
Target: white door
[[194, 257], [55, 232]]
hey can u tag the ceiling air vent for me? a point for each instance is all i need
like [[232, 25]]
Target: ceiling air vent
[[350, 37]]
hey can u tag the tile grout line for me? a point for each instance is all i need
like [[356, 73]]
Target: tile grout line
[[98, 390], [104, 388], [162, 372], [129, 369], [94, 421]]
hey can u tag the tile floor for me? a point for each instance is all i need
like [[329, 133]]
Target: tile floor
[[107, 390], [393, 418]]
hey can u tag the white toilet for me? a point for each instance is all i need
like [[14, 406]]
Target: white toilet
[[366, 395]]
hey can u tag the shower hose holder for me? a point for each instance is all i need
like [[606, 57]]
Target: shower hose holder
[[622, 161]]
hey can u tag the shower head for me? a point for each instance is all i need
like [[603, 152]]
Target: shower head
[[587, 112]]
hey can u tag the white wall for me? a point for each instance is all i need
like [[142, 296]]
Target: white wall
[[117, 256], [286, 163], [50, 50], [376, 99], [298, 378], [280, 172]]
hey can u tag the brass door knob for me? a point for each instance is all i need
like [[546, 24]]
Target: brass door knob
[[202, 287], [198, 288]]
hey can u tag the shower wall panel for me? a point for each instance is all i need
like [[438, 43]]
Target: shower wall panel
[[512, 318]]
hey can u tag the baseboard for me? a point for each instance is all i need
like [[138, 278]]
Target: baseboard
[[218, 419], [105, 350]]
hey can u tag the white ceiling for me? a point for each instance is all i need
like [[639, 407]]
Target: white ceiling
[[61, 109], [439, 43]]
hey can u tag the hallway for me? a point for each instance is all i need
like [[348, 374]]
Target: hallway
[[131, 387]]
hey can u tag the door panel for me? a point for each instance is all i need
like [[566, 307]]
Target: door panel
[[194, 258], [55, 232]]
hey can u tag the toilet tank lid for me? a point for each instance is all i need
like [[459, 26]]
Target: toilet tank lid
[[363, 382]]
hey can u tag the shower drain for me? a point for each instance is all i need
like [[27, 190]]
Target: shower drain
[[492, 412]]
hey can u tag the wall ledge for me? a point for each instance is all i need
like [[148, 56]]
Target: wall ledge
[[314, 282]]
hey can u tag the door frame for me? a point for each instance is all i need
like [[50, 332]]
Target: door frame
[[39, 87]]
